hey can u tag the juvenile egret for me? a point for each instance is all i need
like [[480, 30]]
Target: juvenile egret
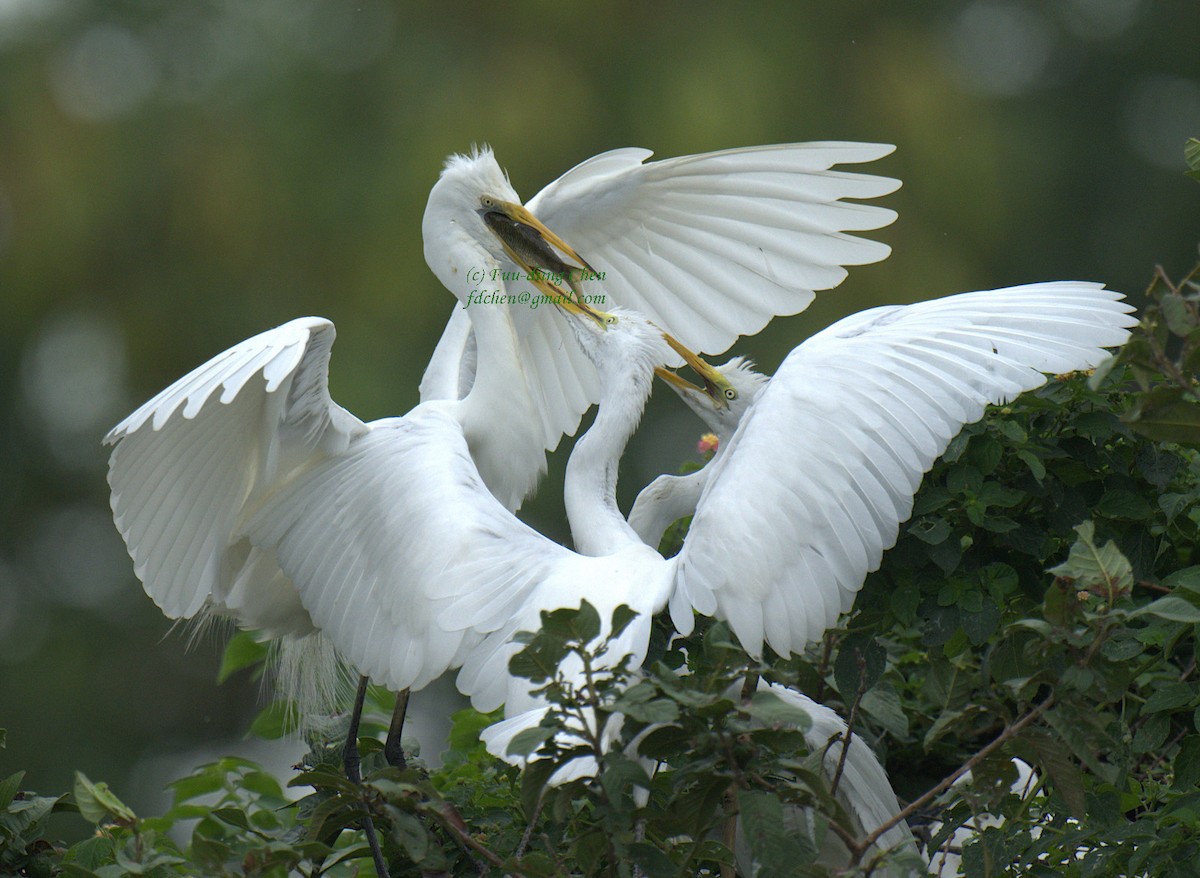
[[835, 445], [708, 247], [669, 497], [811, 487]]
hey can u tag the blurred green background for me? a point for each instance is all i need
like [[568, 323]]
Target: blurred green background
[[177, 175]]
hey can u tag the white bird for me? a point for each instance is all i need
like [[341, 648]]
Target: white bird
[[816, 479], [669, 497], [708, 247], [191, 465], [850, 423]]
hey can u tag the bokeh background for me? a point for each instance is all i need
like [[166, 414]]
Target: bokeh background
[[177, 175]]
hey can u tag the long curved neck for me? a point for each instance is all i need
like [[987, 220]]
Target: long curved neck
[[590, 493], [499, 416]]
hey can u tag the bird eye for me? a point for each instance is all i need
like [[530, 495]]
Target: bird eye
[[487, 201], [730, 393], [611, 319]]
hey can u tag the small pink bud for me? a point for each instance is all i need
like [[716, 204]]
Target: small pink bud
[[708, 443]]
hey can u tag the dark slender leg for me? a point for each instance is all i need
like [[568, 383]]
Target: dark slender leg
[[393, 752], [353, 762]]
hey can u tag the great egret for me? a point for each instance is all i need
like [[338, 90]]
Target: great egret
[[188, 469], [708, 247], [812, 486], [669, 497]]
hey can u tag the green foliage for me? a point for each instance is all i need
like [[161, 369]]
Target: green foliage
[[1041, 603]]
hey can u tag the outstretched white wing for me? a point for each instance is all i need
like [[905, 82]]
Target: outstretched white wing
[[406, 562], [713, 246], [710, 247], [823, 467], [189, 462]]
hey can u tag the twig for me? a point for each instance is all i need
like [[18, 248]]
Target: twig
[[1009, 731], [847, 736], [528, 834], [729, 833]]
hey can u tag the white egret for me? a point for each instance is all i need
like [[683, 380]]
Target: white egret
[[192, 463], [669, 497], [716, 244], [708, 247], [814, 483]]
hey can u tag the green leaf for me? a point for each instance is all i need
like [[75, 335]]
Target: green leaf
[[1176, 609], [621, 618], [199, 784], [1177, 421], [964, 478], [930, 530], [1098, 426], [1187, 764], [1187, 578], [9, 788], [1093, 567], [1123, 504], [96, 801], [527, 741], [653, 862], [408, 832], [859, 664], [768, 708], [581, 625], [242, 651], [533, 782], [274, 721], [883, 705], [1191, 155], [465, 726], [1152, 733], [262, 783], [1053, 756], [232, 816], [777, 850], [979, 626], [1031, 460], [1170, 697]]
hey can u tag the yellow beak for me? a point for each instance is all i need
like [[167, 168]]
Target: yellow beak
[[533, 253], [716, 385], [520, 214]]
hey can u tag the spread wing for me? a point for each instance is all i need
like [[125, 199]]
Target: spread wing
[[823, 467], [188, 463], [713, 246], [409, 565], [710, 247]]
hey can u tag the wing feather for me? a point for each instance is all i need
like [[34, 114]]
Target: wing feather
[[188, 463], [822, 470], [409, 565], [763, 226]]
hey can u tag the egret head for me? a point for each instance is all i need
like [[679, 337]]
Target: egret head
[[458, 242], [722, 417], [474, 221]]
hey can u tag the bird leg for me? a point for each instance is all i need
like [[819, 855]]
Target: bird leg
[[353, 765], [393, 751]]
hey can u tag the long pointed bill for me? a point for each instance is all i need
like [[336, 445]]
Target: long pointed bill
[[716, 385], [520, 214], [531, 246], [679, 383]]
